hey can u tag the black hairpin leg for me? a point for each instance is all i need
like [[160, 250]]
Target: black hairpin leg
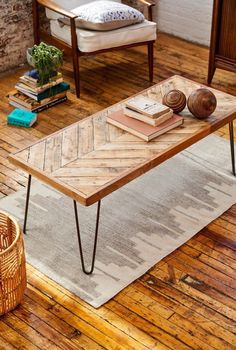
[[231, 134], [27, 204], [87, 272]]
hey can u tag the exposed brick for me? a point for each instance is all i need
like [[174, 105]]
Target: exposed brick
[[16, 31]]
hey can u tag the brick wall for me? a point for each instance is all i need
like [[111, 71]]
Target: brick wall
[[15, 32]]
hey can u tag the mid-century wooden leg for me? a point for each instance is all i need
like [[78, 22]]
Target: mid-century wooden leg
[[150, 61], [36, 22], [75, 54], [211, 72], [76, 74]]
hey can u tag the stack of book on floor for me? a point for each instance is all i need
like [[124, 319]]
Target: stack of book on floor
[[145, 118], [30, 95], [20, 117]]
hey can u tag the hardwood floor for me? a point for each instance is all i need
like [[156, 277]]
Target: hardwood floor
[[187, 300]]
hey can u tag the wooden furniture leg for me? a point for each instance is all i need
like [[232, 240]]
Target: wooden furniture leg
[[211, 72], [36, 22], [150, 61], [76, 57], [222, 52]]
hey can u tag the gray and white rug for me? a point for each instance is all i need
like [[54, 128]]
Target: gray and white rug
[[140, 223]]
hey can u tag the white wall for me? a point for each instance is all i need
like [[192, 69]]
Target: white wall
[[188, 19]]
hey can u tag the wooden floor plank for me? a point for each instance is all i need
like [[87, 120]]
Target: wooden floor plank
[[61, 295], [183, 339], [14, 337], [164, 340], [208, 296], [6, 345], [186, 301], [183, 305], [209, 262], [36, 299], [87, 313], [184, 318], [216, 246], [188, 265], [213, 254]]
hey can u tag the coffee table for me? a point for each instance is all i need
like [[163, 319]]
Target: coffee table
[[90, 159]]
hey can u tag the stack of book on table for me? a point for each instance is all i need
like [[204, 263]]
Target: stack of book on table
[[145, 118], [30, 95]]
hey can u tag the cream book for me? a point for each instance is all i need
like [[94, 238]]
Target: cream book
[[38, 89], [147, 106], [141, 129], [144, 118]]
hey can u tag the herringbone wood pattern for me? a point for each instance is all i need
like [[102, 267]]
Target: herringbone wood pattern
[[92, 158]]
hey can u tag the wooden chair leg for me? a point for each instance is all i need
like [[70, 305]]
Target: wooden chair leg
[[76, 74], [150, 61], [36, 22], [75, 55]]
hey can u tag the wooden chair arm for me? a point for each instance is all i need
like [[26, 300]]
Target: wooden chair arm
[[149, 4], [51, 5]]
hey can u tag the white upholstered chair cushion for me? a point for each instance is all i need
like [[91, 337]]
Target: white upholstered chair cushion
[[68, 5], [89, 40]]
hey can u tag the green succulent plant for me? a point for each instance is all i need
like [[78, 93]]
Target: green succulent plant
[[46, 59]]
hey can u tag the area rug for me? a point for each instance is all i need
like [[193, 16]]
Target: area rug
[[140, 223]]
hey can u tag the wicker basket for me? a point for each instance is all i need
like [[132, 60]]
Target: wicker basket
[[12, 264]]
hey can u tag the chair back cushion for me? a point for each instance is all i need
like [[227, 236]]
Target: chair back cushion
[[104, 15], [68, 5]]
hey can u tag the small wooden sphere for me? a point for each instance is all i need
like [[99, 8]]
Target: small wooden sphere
[[175, 99], [202, 103]]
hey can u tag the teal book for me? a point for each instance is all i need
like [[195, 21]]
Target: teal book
[[20, 117], [52, 91]]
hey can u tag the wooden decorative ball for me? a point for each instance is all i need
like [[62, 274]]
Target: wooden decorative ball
[[175, 99], [202, 103]]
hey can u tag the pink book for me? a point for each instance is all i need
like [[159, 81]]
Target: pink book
[[143, 130]]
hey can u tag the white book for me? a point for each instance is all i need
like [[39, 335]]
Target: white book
[[144, 118], [18, 105], [147, 106], [37, 89]]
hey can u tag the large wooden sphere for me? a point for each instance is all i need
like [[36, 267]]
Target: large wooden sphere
[[175, 99], [202, 103]]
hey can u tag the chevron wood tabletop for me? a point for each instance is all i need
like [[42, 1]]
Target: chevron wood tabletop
[[90, 159]]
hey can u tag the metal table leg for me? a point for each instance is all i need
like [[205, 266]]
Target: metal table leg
[[87, 272], [231, 134], [27, 203]]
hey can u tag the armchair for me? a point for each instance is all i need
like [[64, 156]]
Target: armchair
[[80, 42]]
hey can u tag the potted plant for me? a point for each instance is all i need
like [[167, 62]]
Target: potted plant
[[46, 59]]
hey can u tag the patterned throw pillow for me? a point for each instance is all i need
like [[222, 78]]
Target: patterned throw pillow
[[104, 15]]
